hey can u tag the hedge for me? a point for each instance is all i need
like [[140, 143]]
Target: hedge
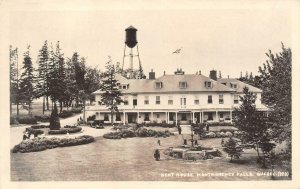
[[27, 120], [40, 144], [42, 118], [65, 114], [34, 131], [165, 125], [141, 132], [72, 129], [39, 126]]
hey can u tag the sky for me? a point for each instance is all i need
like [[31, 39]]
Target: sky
[[230, 38]]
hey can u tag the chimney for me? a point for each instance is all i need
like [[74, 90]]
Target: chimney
[[228, 76], [151, 74], [179, 72], [199, 72], [213, 75], [164, 72]]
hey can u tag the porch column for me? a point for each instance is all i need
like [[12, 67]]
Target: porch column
[[99, 115], [124, 117], [152, 117], [138, 117], [176, 118], [230, 116], [167, 117], [193, 117], [217, 117]]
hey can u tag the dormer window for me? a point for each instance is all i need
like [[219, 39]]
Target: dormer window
[[208, 84], [182, 84], [158, 85], [124, 86], [234, 85], [224, 83]]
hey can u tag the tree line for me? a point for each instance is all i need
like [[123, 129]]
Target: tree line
[[63, 80]]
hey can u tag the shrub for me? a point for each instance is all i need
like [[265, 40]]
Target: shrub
[[231, 148], [76, 110], [65, 114], [54, 119], [42, 118], [91, 118], [13, 120], [40, 144], [27, 120], [228, 130], [228, 134], [34, 131], [140, 132], [39, 126], [68, 129]]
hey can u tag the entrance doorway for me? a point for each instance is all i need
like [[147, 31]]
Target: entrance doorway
[[132, 118]]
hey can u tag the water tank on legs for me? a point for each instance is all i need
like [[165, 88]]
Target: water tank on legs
[[131, 36]]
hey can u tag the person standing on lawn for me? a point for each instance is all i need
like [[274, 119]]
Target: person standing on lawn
[[157, 155], [179, 129]]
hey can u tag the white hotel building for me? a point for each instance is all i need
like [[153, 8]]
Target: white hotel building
[[184, 98]]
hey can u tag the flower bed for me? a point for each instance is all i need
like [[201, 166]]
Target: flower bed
[[65, 130], [165, 125], [40, 144], [140, 132], [222, 134]]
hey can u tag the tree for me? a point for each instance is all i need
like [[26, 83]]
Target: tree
[[111, 95], [27, 81], [54, 119], [42, 87], [57, 79], [251, 122], [14, 85], [231, 148], [275, 80]]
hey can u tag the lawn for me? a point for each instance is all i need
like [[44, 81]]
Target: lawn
[[131, 159]]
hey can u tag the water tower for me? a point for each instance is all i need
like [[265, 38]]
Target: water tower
[[132, 43]]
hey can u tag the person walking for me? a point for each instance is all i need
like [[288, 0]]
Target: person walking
[[157, 155], [158, 142], [179, 130]]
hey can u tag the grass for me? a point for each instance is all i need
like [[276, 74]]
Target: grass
[[129, 160]]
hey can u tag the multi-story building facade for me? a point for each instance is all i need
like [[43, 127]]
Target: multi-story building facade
[[181, 97]]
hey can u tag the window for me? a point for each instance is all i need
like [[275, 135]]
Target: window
[[210, 116], [209, 99], [221, 100], [124, 87], [234, 85], [196, 100], [106, 118], [221, 115], [170, 100], [183, 117], [208, 84], [134, 102], [157, 115], [182, 101], [182, 85], [157, 100], [146, 101], [146, 117], [125, 100], [224, 83], [118, 117], [236, 99], [171, 117], [158, 85]]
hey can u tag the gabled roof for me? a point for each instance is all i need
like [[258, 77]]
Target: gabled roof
[[241, 85], [170, 83]]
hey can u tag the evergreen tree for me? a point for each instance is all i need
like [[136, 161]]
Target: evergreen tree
[[13, 59], [43, 75], [251, 122], [54, 119], [27, 81], [231, 148], [111, 95]]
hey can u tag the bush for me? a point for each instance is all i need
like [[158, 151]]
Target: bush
[[27, 120], [42, 118], [40, 144], [165, 125], [39, 126], [140, 132], [65, 114], [91, 118], [65, 130], [76, 110], [34, 131], [13, 120]]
